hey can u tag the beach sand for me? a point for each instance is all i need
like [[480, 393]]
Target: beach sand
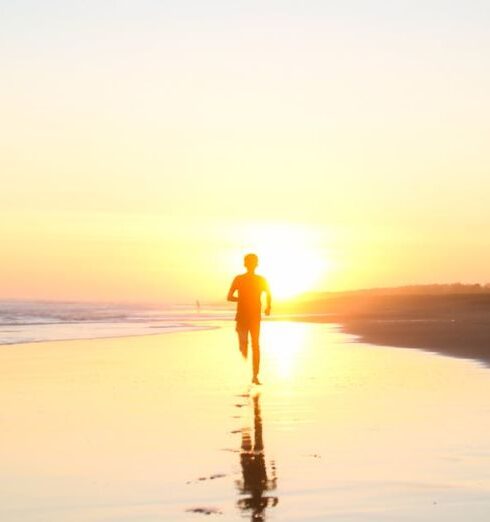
[[467, 338], [167, 427]]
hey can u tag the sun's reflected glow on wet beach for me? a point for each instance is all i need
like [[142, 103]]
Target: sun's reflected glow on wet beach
[[282, 348], [176, 413]]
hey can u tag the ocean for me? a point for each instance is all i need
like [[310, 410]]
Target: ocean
[[37, 321]]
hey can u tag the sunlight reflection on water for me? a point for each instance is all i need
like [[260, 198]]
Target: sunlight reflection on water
[[169, 427], [283, 346]]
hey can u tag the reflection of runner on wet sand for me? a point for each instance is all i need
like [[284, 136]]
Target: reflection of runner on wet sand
[[254, 481]]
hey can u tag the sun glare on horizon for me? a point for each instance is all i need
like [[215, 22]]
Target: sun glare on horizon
[[290, 257]]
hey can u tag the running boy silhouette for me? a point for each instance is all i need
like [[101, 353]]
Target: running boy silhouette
[[249, 288]]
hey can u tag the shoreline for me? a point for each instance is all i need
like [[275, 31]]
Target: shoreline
[[465, 338], [162, 331], [455, 338]]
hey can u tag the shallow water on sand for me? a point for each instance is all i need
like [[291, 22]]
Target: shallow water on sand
[[168, 428]]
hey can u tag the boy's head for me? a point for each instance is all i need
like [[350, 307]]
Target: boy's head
[[250, 262]]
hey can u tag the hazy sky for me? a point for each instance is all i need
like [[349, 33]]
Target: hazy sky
[[146, 145]]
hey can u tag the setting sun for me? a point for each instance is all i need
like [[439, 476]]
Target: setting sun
[[291, 257], [294, 271]]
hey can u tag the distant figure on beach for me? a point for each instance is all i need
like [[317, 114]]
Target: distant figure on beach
[[246, 290]]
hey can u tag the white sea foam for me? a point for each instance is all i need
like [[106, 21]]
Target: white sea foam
[[34, 321]]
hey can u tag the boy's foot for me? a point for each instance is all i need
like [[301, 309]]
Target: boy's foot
[[255, 380]]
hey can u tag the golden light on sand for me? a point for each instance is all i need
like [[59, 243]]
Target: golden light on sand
[[290, 256], [283, 348]]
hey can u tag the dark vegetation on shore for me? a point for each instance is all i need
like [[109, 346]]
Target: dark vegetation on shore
[[449, 319]]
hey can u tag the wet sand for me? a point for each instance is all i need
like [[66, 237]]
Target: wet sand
[[454, 324], [466, 338], [168, 428]]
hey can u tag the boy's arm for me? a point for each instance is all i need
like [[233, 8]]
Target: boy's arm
[[233, 288], [268, 295]]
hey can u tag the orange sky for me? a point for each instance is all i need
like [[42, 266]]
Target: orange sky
[[145, 150]]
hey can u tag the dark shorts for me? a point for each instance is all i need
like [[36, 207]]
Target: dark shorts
[[246, 322]]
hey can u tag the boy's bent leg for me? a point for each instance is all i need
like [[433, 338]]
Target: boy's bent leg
[[242, 332]]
